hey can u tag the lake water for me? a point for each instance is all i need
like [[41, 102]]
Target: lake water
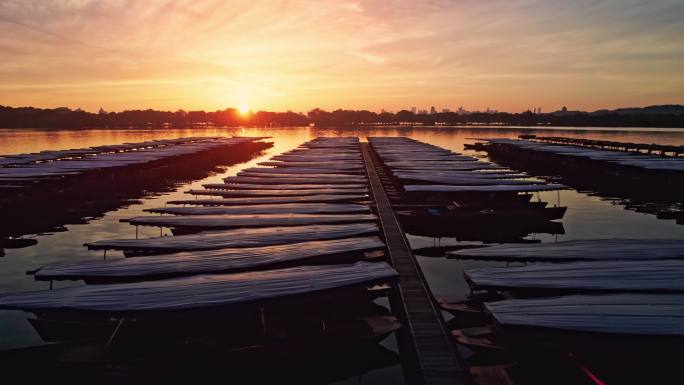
[[588, 215]]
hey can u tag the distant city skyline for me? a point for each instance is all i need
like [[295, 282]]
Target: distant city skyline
[[298, 55]]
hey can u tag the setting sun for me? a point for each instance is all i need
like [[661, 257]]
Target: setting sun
[[243, 109]]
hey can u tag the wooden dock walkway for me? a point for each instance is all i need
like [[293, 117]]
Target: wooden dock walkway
[[424, 343]]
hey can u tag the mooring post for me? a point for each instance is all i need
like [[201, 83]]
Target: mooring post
[[116, 330], [262, 320]]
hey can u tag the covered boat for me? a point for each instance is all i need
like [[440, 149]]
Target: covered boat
[[579, 250], [285, 208], [200, 291], [211, 261], [613, 276], [246, 237], [248, 220]]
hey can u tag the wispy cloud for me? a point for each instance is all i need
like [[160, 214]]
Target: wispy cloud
[[369, 57], [299, 54]]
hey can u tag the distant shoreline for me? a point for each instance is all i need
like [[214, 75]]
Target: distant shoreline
[[665, 116], [361, 127]]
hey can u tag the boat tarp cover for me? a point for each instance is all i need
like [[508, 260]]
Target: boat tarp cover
[[283, 174], [296, 186], [495, 188], [640, 314], [271, 200], [247, 237], [208, 261], [659, 275], [590, 249], [300, 170], [279, 193], [199, 290], [313, 180], [249, 220], [617, 157], [287, 208]]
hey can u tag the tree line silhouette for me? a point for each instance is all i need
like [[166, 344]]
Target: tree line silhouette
[[29, 117]]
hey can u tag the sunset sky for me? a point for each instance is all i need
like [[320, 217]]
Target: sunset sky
[[277, 55]]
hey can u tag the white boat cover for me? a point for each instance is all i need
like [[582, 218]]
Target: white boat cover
[[617, 157], [635, 314], [658, 275], [299, 170], [465, 166], [272, 200], [287, 208], [490, 188], [291, 181], [283, 174], [280, 193], [247, 237], [577, 250], [200, 290], [347, 165], [438, 177], [249, 220], [317, 158], [248, 186], [208, 261], [98, 160], [427, 168], [466, 181]]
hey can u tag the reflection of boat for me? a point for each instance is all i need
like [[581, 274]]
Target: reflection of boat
[[486, 230], [455, 215]]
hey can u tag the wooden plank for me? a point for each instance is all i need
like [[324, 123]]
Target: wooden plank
[[428, 346]]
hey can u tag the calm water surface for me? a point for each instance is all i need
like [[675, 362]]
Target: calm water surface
[[587, 216]]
